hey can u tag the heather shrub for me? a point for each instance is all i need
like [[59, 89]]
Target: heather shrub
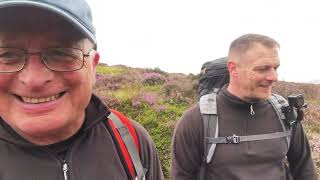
[[146, 97], [149, 98], [99, 77], [310, 91], [179, 89], [156, 70], [135, 103], [153, 78], [108, 82], [312, 113], [314, 139], [110, 101], [116, 82], [316, 145]]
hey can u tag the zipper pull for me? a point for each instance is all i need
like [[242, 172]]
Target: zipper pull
[[65, 170], [251, 110]]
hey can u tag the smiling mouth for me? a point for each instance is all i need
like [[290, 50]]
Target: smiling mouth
[[38, 100], [266, 85]]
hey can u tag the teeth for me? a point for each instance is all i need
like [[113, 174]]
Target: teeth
[[40, 99]]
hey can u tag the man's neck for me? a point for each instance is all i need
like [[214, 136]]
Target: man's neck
[[236, 92]]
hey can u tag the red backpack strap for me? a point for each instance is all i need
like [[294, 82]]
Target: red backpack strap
[[128, 142], [127, 124]]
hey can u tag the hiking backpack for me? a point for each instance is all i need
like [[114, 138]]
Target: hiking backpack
[[213, 76], [128, 144]]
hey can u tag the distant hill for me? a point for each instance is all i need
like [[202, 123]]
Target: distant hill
[[316, 81], [157, 100]]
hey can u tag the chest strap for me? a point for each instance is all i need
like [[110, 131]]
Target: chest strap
[[234, 139]]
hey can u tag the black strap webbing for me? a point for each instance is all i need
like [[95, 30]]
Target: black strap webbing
[[238, 139]]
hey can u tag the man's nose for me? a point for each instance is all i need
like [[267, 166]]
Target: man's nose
[[35, 73], [272, 75]]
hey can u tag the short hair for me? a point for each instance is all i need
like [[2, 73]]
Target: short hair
[[245, 42]]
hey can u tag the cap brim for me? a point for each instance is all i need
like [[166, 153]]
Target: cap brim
[[68, 17]]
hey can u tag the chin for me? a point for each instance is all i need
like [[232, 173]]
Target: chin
[[258, 97], [264, 96], [43, 124]]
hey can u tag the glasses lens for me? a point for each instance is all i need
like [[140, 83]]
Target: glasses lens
[[11, 59], [63, 59]]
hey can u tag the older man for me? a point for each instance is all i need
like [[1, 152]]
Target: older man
[[51, 125]]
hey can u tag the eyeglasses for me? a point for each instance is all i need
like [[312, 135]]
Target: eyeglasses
[[55, 59]]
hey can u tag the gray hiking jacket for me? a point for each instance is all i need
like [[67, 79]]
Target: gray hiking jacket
[[91, 156], [263, 160]]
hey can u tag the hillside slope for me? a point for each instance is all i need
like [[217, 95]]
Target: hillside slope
[[157, 99]]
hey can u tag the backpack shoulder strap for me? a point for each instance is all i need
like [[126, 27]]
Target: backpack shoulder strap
[[277, 103], [208, 109], [128, 141]]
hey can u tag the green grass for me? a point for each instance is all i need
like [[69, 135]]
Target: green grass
[[110, 70], [127, 93], [123, 94], [152, 88], [311, 127]]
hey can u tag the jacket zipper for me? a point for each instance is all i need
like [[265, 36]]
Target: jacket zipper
[[65, 170], [251, 110], [252, 113]]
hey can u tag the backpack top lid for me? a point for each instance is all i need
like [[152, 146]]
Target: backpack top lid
[[214, 74]]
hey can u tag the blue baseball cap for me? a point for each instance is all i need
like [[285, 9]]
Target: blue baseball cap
[[76, 12]]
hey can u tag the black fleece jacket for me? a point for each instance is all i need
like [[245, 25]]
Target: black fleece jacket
[[263, 160]]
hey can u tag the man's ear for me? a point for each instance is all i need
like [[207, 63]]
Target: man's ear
[[232, 68], [95, 60]]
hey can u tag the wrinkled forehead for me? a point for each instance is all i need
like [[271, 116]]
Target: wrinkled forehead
[[29, 20], [260, 55]]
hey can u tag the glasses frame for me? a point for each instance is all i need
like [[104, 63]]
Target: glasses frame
[[28, 54]]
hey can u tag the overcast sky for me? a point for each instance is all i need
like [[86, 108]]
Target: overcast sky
[[180, 35]]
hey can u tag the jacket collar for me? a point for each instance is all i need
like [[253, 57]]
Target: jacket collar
[[96, 112], [233, 99]]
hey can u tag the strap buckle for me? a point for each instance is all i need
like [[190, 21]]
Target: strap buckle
[[234, 139]]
